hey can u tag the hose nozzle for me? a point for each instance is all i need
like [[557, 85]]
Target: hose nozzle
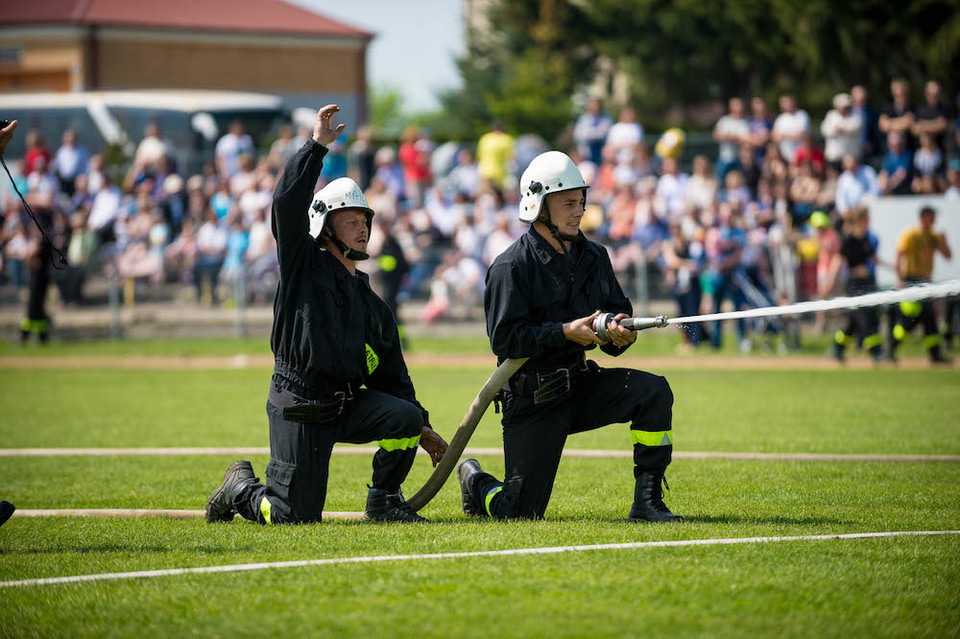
[[640, 323], [629, 323]]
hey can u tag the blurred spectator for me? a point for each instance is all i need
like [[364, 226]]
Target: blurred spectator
[[928, 166], [790, 127], [360, 155], [262, 268], [730, 132], [749, 166], [626, 133], [857, 184], [70, 161], [896, 172], [80, 252], [702, 187], [808, 151], [829, 261], [804, 191], [494, 153], [36, 151], [953, 177], [842, 131], [724, 245], [930, 118], [414, 157], [179, 255], [590, 130], [234, 144], [389, 172], [683, 259], [152, 147], [465, 176], [232, 271], [105, 210], [671, 190], [870, 117], [760, 125], [283, 147], [898, 115], [209, 251]]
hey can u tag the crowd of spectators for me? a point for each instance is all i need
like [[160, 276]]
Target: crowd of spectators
[[735, 228]]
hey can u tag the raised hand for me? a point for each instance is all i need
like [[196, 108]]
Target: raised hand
[[325, 130]]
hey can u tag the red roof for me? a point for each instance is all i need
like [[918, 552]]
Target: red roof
[[251, 16]]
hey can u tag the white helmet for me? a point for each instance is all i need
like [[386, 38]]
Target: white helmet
[[342, 193], [550, 172]]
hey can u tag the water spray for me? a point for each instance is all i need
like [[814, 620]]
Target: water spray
[[884, 298]]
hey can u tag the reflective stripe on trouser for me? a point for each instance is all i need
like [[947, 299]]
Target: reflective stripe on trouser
[[399, 444], [841, 338], [930, 341], [489, 497], [265, 509], [652, 449], [652, 438], [899, 332], [872, 341], [28, 325]]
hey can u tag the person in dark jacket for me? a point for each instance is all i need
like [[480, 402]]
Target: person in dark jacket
[[543, 295], [339, 374]]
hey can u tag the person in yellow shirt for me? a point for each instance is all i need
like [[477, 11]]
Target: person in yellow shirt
[[914, 265], [494, 152]]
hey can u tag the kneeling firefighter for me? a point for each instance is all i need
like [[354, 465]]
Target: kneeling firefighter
[[339, 374], [543, 296]]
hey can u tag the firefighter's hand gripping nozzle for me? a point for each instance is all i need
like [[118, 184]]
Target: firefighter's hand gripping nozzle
[[629, 323]]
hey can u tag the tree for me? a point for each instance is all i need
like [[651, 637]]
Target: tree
[[539, 53]]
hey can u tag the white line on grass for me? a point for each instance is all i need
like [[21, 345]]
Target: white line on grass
[[550, 550], [493, 452]]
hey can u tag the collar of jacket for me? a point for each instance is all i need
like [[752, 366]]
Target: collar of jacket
[[545, 252], [340, 271]]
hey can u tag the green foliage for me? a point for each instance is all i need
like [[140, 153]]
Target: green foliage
[[387, 116], [688, 52]]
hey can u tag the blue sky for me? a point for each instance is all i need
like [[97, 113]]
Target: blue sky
[[416, 43]]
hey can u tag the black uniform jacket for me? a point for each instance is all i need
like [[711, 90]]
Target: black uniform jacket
[[329, 327], [531, 290]]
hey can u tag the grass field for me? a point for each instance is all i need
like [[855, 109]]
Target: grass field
[[907, 586]]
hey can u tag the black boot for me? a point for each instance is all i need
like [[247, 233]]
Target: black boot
[[387, 506], [648, 500], [6, 509], [220, 504], [466, 472]]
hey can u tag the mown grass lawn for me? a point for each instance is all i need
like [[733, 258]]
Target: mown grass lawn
[[889, 587]]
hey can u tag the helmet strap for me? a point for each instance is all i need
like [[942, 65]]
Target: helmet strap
[[346, 251], [561, 238]]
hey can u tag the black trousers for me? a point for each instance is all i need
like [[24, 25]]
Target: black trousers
[[296, 478], [534, 435], [863, 323]]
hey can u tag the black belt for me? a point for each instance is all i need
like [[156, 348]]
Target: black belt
[[309, 411], [547, 385]]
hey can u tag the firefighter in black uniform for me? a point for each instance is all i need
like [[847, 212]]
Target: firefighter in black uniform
[[860, 254], [542, 297], [339, 375]]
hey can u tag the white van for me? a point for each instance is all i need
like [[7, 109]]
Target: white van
[[192, 120]]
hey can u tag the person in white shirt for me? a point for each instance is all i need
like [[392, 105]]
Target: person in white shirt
[[626, 133], [857, 184], [790, 127], [70, 161], [731, 131], [671, 190], [842, 131]]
